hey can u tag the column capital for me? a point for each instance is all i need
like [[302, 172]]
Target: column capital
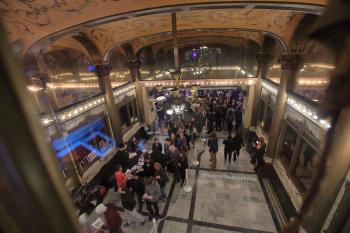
[[263, 58], [135, 64], [291, 62], [103, 70]]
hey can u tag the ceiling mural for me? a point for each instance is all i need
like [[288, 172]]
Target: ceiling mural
[[142, 42], [109, 34], [279, 22], [203, 40], [68, 42], [31, 20]]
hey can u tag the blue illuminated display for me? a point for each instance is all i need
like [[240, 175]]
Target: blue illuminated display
[[81, 137], [92, 68]]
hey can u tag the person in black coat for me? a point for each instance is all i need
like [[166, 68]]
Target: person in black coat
[[133, 145], [182, 165], [159, 157], [237, 145], [162, 179], [260, 148], [228, 149], [157, 146], [213, 149], [137, 185], [122, 156], [210, 121], [129, 205], [218, 119], [238, 118]]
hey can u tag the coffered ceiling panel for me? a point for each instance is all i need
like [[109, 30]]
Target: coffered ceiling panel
[[31, 20]]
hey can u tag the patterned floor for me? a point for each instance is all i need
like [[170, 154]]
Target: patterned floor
[[230, 199]]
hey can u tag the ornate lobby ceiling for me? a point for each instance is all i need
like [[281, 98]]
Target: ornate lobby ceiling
[[241, 43], [197, 35], [109, 22]]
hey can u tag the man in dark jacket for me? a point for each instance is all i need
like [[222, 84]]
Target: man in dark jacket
[[218, 118], [174, 158], [137, 185], [238, 118], [122, 156], [228, 149], [159, 157], [129, 205], [213, 149], [237, 145], [260, 147], [157, 146]]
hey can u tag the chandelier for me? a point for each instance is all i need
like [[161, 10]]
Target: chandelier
[[178, 98]]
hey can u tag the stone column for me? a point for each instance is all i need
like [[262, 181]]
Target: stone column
[[135, 73], [290, 65], [140, 105], [176, 49], [248, 111], [134, 67], [263, 61], [102, 72]]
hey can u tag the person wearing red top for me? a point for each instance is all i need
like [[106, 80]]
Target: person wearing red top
[[120, 177]]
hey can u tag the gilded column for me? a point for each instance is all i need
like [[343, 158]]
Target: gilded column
[[290, 65], [102, 72], [134, 67], [263, 61], [176, 49]]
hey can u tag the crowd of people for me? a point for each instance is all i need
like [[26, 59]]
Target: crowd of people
[[144, 183], [142, 175]]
